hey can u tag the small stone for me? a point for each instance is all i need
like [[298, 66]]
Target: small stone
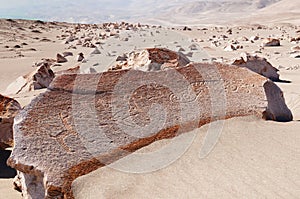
[[230, 48], [96, 51], [270, 42], [80, 57], [66, 54], [60, 58]]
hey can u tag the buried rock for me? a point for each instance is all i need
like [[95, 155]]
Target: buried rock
[[95, 119], [259, 65], [8, 110], [151, 59]]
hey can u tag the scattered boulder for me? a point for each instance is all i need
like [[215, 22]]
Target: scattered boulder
[[295, 39], [244, 39], [187, 28], [70, 39], [44, 61], [96, 51], [66, 54], [79, 42], [42, 77], [259, 65], [70, 142], [72, 47], [151, 59], [295, 48], [38, 79], [45, 40], [254, 38], [229, 31], [60, 58], [216, 43], [80, 57], [36, 31], [8, 110], [180, 49], [269, 42], [89, 44], [230, 48], [193, 47], [295, 55]]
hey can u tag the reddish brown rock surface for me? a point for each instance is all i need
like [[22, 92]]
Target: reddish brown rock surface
[[95, 119], [259, 65], [73, 70], [8, 110], [151, 59]]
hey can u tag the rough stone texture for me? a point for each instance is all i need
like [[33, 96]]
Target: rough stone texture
[[259, 65], [60, 58], [74, 70], [8, 110], [151, 59], [38, 79], [270, 42], [42, 77], [95, 119]]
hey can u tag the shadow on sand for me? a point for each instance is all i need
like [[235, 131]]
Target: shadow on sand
[[284, 81], [6, 171]]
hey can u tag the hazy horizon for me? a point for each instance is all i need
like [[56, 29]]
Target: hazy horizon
[[89, 11], [98, 11]]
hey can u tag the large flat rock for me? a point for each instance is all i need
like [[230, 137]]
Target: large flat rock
[[84, 122]]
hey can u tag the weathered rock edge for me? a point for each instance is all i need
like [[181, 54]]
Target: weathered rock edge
[[51, 153], [8, 110]]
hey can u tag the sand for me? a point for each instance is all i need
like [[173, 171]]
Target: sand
[[252, 159]]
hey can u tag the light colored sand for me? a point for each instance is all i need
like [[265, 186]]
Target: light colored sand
[[253, 159], [7, 191]]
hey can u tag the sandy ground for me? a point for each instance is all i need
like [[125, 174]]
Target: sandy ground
[[252, 159]]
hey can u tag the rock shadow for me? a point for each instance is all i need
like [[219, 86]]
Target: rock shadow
[[6, 171]]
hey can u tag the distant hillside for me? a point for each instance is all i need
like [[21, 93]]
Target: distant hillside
[[166, 12], [284, 6], [284, 11], [213, 11], [223, 6]]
